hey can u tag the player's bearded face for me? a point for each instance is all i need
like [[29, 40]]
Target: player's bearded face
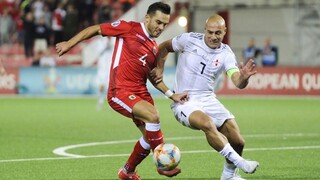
[[156, 23]]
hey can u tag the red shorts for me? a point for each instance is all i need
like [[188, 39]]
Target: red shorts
[[123, 101]]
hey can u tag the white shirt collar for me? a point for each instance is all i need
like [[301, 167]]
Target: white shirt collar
[[146, 32]]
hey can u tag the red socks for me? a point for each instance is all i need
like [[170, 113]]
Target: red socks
[[142, 148], [136, 157], [154, 138], [154, 135]]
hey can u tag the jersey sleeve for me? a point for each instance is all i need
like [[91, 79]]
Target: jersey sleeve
[[230, 62], [179, 42], [116, 28]]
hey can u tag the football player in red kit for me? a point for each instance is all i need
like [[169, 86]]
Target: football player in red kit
[[133, 58]]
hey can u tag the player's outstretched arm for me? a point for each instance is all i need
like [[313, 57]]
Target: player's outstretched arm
[[65, 46], [176, 97], [241, 78]]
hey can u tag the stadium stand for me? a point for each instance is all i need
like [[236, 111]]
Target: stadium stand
[[13, 52]]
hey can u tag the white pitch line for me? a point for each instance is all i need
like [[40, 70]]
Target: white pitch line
[[61, 151], [183, 152]]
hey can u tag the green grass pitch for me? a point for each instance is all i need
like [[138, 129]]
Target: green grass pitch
[[282, 133]]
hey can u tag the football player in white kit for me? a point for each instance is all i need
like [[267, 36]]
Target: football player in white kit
[[202, 58], [103, 67]]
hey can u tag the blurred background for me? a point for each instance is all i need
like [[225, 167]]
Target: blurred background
[[283, 37]]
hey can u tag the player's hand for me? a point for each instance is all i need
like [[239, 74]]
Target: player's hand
[[248, 70], [180, 97], [62, 48], [156, 74]]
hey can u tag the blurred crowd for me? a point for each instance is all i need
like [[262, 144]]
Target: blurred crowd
[[38, 25], [266, 56]]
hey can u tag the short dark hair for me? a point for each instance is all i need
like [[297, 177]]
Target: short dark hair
[[159, 6]]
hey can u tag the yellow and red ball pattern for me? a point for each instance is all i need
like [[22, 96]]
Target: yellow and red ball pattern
[[166, 156]]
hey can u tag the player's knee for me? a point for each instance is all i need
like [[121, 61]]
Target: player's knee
[[154, 118], [207, 125], [241, 142]]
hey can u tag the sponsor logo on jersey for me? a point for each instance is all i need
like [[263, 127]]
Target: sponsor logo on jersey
[[140, 37], [132, 97], [116, 23]]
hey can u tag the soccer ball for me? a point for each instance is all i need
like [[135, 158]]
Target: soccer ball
[[166, 156]]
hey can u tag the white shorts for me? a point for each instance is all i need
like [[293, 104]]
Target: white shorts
[[208, 104]]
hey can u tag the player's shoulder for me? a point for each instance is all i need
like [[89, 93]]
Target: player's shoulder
[[195, 35], [189, 37], [116, 23], [133, 23], [226, 48], [124, 23]]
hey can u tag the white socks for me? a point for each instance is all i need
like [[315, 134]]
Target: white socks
[[144, 144], [229, 169], [245, 165], [152, 127], [229, 153]]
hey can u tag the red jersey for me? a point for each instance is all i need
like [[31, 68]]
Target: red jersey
[[134, 55]]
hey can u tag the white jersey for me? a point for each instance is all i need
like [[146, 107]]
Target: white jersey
[[198, 65]]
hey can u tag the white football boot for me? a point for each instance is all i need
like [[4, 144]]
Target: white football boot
[[234, 176], [247, 166]]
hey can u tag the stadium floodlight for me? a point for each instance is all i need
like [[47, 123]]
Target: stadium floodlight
[[182, 21]]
